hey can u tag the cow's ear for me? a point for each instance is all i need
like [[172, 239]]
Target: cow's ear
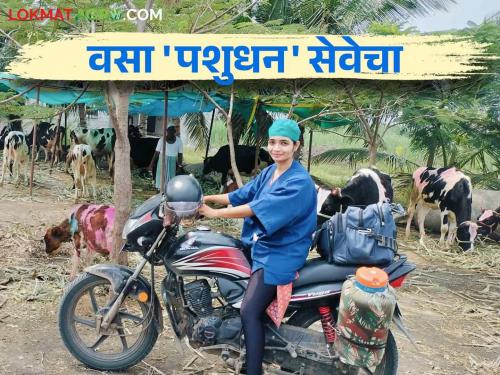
[[336, 192]]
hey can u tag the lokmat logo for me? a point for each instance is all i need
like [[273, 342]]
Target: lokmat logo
[[90, 14], [39, 14]]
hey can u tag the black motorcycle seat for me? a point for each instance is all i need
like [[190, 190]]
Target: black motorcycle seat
[[318, 271]]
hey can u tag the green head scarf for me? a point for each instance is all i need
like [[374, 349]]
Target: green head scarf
[[285, 128]]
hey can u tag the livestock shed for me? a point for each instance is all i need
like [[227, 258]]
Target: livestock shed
[[150, 100]]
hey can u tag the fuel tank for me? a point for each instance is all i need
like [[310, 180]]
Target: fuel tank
[[207, 253]]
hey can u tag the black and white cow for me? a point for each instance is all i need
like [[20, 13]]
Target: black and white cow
[[46, 139], [450, 191], [15, 154], [245, 160], [101, 141], [366, 186], [487, 224], [6, 129], [42, 141]]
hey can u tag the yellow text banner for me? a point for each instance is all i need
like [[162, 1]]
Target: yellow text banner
[[226, 58]]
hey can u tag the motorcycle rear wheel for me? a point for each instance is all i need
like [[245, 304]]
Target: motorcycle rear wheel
[[310, 318], [83, 299]]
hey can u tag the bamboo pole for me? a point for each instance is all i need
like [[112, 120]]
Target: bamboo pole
[[210, 133], [163, 142], [33, 145], [56, 143], [310, 150]]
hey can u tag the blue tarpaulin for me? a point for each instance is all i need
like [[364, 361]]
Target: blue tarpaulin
[[146, 102]]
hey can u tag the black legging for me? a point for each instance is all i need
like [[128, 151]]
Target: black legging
[[257, 297]]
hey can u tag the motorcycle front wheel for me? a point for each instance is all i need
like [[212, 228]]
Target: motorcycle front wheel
[[130, 338], [310, 318]]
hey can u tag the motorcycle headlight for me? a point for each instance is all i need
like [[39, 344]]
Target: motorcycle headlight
[[130, 225]]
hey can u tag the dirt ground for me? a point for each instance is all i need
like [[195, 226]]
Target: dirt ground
[[451, 303]]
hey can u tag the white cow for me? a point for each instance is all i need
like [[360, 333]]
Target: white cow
[[83, 168]]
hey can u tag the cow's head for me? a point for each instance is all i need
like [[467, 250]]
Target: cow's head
[[488, 221], [466, 234], [486, 215], [57, 235], [207, 167], [335, 202]]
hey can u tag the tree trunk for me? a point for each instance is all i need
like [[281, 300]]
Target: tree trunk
[[117, 94], [117, 98], [298, 154], [445, 158], [230, 140], [372, 153], [431, 156], [453, 157]]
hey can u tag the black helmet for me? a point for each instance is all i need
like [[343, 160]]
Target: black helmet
[[183, 195]]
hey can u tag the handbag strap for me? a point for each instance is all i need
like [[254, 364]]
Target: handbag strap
[[316, 238], [381, 214], [388, 242], [317, 234]]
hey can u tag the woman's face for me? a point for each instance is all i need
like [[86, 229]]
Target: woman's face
[[281, 149]]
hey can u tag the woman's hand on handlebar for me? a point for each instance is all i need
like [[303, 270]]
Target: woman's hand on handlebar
[[207, 211]]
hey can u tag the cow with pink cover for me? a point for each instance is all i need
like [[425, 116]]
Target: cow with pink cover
[[90, 227]]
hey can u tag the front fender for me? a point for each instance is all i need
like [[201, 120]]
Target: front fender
[[118, 275]]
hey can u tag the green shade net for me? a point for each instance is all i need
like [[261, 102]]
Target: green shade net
[[151, 102]]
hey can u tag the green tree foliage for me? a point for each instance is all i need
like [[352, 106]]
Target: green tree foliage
[[373, 108], [457, 122], [342, 16]]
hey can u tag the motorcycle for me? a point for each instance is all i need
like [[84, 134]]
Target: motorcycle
[[110, 316]]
